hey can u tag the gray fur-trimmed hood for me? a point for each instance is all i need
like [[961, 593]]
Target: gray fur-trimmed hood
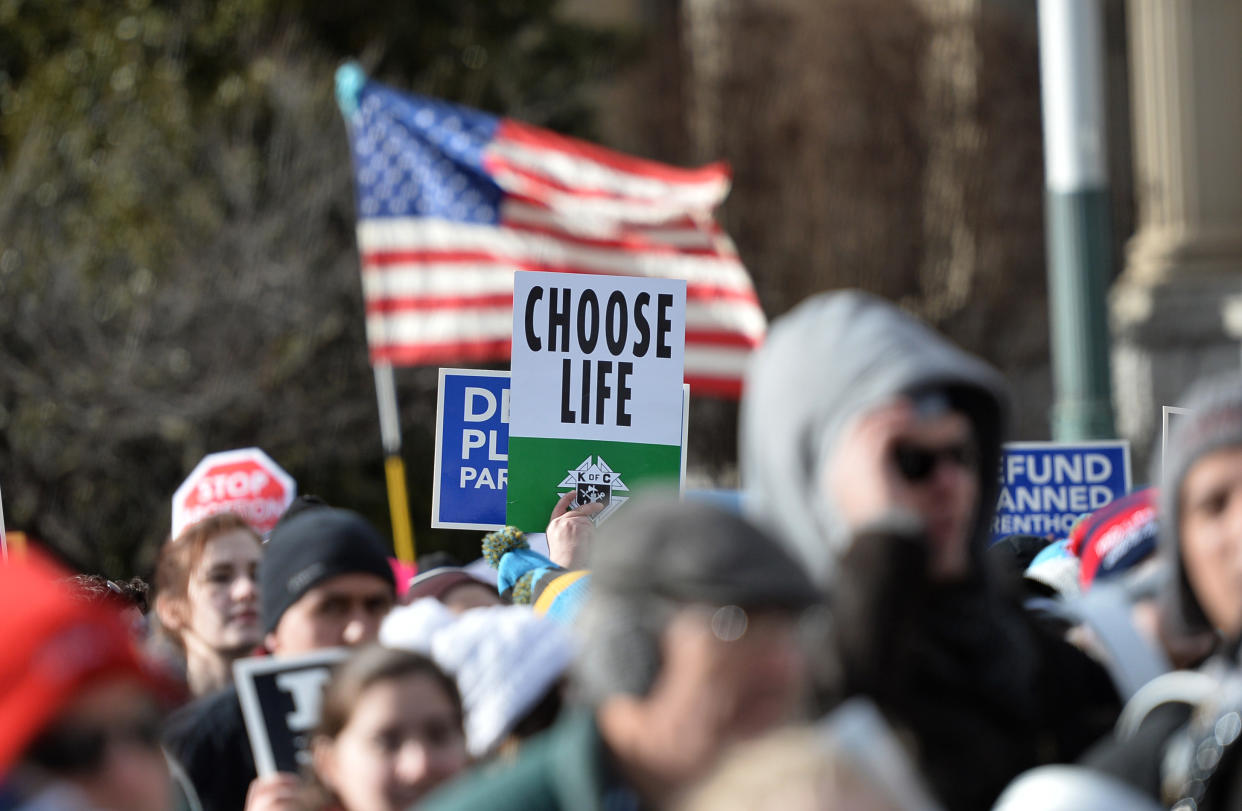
[[835, 356]]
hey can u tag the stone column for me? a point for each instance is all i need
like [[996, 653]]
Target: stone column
[[1177, 309]]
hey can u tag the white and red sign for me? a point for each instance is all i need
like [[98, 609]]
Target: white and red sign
[[246, 482]]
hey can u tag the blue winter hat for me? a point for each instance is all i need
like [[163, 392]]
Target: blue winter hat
[[529, 578], [1053, 551], [1056, 566]]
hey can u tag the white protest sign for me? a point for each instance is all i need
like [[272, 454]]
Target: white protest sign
[[596, 402], [280, 701], [598, 357]]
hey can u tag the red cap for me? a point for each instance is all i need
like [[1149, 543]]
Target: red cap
[[1116, 537], [54, 644]]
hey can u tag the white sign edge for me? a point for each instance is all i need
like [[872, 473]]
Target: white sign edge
[[1165, 411], [4, 536], [1086, 443], [435, 465], [685, 437]]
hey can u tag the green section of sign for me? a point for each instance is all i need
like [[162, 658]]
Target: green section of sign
[[538, 466]]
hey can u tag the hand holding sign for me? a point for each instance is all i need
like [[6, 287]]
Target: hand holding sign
[[570, 531], [277, 792]]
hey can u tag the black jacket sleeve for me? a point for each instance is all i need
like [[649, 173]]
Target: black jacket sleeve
[[876, 605], [208, 738], [960, 668]]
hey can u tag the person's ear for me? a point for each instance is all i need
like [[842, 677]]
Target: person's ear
[[171, 613], [270, 642]]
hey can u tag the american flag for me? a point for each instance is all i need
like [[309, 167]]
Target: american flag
[[452, 200]]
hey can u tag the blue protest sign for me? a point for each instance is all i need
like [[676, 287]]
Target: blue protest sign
[[472, 450], [1046, 486]]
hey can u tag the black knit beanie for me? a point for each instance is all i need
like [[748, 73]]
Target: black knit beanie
[[311, 547], [1214, 422]]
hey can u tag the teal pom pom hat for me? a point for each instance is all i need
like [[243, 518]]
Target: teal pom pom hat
[[529, 578]]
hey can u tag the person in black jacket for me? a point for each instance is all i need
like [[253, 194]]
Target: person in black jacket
[[324, 582], [871, 446]]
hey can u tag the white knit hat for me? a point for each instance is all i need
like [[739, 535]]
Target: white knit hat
[[410, 627], [1056, 567], [504, 658]]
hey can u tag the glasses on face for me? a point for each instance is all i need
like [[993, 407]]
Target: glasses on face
[[73, 748], [917, 463]]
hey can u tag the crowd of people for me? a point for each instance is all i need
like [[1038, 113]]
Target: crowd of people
[[850, 640]]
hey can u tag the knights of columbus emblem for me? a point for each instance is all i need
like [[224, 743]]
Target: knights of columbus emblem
[[596, 482]]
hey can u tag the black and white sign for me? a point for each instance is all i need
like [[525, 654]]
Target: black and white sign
[[280, 702], [597, 357]]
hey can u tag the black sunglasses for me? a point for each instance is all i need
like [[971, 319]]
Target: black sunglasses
[[916, 463], [83, 748]]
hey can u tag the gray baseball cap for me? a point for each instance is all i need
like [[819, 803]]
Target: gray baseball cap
[[695, 552]]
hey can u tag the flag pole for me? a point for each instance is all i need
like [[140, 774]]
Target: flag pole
[[394, 466], [350, 79]]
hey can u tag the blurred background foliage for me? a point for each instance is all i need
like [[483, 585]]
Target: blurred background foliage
[[177, 262]]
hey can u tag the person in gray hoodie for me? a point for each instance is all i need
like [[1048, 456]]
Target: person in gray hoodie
[[871, 446]]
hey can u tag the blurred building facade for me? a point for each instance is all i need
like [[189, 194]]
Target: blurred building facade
[[892, 145], [1177, 309], [895, 145]]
